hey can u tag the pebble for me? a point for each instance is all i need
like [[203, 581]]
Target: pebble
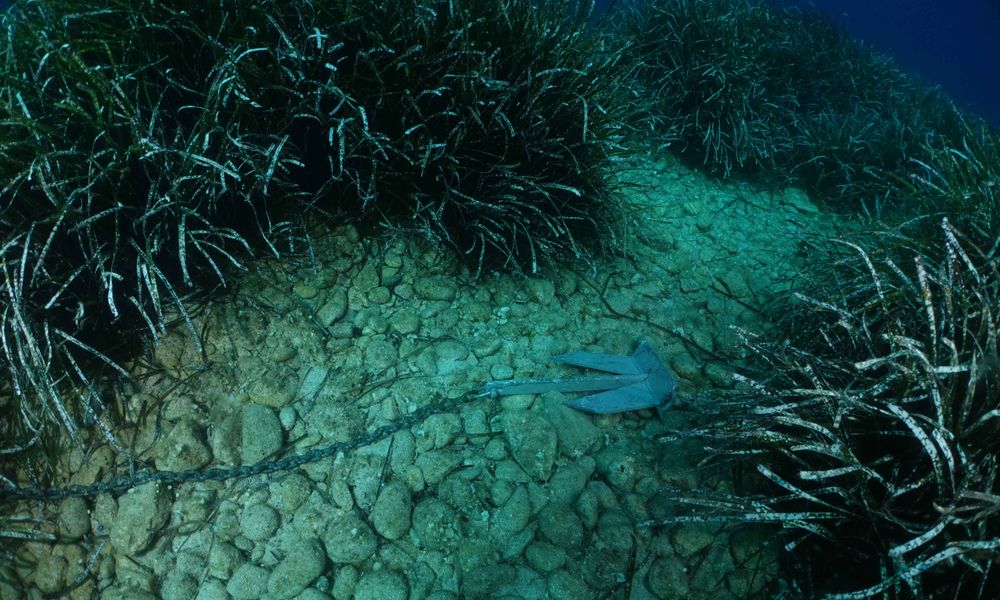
[[541, 291], [50, 573], [312, 383], [275, 388], [289, 492], [333, 309], [563, 585], [348, 539], [178, 586], [436, 464], [381, 585], [345, 583], [512, 516], [302, 564], [305, 291], [532, 442], [561, 526], [249, 582], [435, 524], [404, 322], [223, 559], [436, 287], [501, 372], [74, 518], [260, 433], [668, 578], [211, 589], [569, 480], [258, 522], [575, 431], [617, 465], [692, 538], [544, 557], [380, 355], [183, 448], [441, 429], [391, 514], [142, 511]]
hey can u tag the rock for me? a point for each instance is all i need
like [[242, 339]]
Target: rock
[[435, 524], [569, 480], [305, 291], [692, 538], [50, 573], [391, 513], [436, 287], [561, 526], [348, 539], [261, 433], [485, 581], [258, 522], [142, 511], [404, 322], [575, 430], [563, 585], [436, 464], [178, 585], [544, 557], [441, 429], [668, 578], [302, 564], [381, 585], [617, 465], [249, 582], [223, 559], [290, 492], [512, 516], [184, 448], [275, 388], [312, 383], [333, 309], [212, 589], [74, 518], [532, 442], [541, 291]]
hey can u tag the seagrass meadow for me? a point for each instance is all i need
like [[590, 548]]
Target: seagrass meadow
[[260, 259]]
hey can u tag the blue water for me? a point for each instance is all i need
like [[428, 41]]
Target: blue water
[[955, 44]]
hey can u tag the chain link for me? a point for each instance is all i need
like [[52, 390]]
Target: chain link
[[119, 484]]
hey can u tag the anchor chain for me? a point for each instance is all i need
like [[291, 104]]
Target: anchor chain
[[119, 484]]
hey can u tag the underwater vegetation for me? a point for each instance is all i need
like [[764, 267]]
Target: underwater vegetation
[[873, 426], [780, 96], [149, 149]]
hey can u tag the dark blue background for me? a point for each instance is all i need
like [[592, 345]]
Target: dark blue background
[[953, 43]]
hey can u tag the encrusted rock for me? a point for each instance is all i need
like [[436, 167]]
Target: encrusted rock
[[348, 539], [261, 433], [183, 448], [381, 585], [258, 522], [532, 441], [391, 513], [74, 518], [249, 582], [141, 513], [302, 564]]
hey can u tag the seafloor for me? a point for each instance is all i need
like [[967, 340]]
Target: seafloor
[[514, 497]]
